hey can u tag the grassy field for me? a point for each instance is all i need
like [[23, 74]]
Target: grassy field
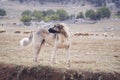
[[89, 53], [94, 57]]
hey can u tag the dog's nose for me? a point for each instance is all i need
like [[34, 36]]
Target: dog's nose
[[53, 31], [50, 30]]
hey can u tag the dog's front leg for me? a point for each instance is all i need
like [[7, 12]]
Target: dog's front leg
[[68, 56], [54, 51], [53, 55]]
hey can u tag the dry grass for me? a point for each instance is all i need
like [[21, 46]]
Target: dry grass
[[88, 53], [93, 53]]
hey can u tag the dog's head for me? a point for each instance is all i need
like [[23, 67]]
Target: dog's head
[[59, 28], [55, 29]]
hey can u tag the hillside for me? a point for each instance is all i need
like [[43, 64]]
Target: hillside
[[15, 8]]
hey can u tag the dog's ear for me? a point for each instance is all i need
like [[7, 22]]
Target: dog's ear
[[63, 30], [60, 26]]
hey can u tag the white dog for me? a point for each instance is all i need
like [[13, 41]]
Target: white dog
[[58, 36]]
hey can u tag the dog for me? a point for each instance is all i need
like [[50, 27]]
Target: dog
[[58, 36]]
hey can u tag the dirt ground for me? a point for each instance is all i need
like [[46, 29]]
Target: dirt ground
[[15, 72], [92, 57], [90, 53]]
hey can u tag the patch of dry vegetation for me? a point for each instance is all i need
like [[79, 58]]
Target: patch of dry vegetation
[[88, 53]]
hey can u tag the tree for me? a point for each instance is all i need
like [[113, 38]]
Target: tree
[[80, 15], [26, 19], [48, 15], [27, 12], [38, 15], [2, 12], [62, 14], [104, 12], [90, 14], [46, 18], [54, 17], [118, 13], [50, 12]]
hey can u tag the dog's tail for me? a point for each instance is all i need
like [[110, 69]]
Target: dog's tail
[[25, 41]]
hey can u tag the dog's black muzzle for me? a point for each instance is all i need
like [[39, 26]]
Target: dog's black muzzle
[[51, 30]]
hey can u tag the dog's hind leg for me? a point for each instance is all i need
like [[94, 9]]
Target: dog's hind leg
[[36, 49]]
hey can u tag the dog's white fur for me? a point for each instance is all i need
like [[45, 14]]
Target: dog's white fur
[[24, 41], [57, 40]]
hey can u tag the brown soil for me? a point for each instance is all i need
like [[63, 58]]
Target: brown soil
[[15, 72]]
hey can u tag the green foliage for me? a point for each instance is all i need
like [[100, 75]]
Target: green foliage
[[54, 17], [90, 14], [27, 12], [2, 12], [26, 18], [46, 18], [48, 15], [50, 12], [72, 16], [104, 12], [62, 14], [38, 15], [118, 13], [80, 15]]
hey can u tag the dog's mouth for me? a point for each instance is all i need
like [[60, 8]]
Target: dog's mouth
[[53, 31]]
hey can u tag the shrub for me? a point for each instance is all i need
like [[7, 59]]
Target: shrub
[[54, 17], [27, 12], [80, 15], [118, 13], [46, 18], [50, 12], [104, 12], [62, 14], [44, 15], [38, 15], [2, 12], [26, 19], [90, 14]]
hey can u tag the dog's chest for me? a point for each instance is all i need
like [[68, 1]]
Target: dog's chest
[[61, 41], [57, 40]]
